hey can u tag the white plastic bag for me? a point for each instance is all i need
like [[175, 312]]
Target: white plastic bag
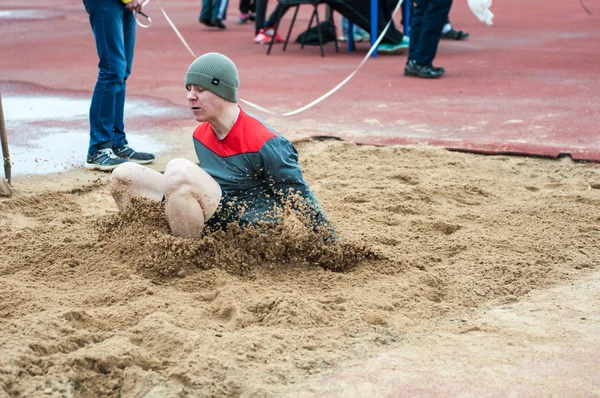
[[481, 9]]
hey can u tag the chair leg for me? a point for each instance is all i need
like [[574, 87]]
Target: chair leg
[[287, 38], [319, 32], [309, 26], [332, 20], [350, 29], [274, 33]]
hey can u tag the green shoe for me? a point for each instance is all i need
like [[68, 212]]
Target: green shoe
[[388, 48]]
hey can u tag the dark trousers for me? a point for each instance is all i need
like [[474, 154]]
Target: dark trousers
[[247, 6], [261, 13], [427, 20], [213, 9], [359, 13]]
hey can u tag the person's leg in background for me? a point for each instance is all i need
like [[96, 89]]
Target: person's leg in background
[[106, 20], [244, 12], [416, 22], [449, 33], [219, 13], [386, 9], [121, 147], [266, 29], [358, 11], [119, 139], [261, 15], [359, 34], [206, 13], [277, 14], [114, 31], [429, 16]]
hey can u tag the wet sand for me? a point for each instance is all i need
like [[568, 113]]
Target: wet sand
[[97, 304]]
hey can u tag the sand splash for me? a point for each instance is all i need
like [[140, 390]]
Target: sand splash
[[141, 235]]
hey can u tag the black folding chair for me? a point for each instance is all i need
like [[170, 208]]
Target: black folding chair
[[315, 14]]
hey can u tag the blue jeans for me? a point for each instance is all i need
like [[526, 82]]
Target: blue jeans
[[213, 9], [114, 30]]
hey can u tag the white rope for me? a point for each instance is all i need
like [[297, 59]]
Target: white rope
[[313, 103], [144, 15]]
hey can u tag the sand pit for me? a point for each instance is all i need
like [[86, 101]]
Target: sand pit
[[94, 304]]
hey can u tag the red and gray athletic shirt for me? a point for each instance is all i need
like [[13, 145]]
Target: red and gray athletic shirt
[[255, 167]]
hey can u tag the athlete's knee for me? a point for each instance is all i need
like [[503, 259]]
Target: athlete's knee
[[178, 176], [122, 176], [124, 172], [177, 164]]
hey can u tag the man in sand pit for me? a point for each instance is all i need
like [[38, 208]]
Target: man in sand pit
[[247, 171]]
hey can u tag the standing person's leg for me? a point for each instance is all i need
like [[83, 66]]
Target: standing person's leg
[[244, 11], [244, 6], [431, 30], [419, 41], [106, 20], [119, 140], [129, 30], [219, 10], [261, 15], [223, 9], [448, 32], [206, 12], [447, 26], [416, 23], [265, 29]]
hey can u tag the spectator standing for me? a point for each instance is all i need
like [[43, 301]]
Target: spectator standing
[[427, 20], [113, 24]]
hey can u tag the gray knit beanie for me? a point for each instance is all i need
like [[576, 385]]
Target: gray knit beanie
[[214, 72]]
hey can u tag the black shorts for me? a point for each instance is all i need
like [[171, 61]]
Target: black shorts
[[240, 212]]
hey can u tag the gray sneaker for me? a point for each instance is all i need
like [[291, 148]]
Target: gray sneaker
[[128, 153], [104, 160]]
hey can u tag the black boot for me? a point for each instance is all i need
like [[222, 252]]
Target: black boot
[[425, 71], [205, 22], [218, 23]]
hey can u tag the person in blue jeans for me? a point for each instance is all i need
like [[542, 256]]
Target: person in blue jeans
[[213, 13], [113, 24]]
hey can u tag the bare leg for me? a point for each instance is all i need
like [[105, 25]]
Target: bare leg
[[192, 197], [132, 180]]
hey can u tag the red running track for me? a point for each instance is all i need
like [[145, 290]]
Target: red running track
[[527, 85]]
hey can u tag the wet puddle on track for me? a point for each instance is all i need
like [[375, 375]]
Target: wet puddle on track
[[50, 133]]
